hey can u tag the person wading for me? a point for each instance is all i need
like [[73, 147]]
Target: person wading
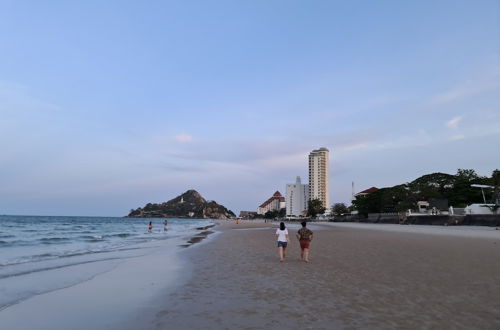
[[305, 236]]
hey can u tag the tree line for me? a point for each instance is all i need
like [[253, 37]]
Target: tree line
[[454, 188]]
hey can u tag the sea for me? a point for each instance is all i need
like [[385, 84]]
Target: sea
[[39, 254]]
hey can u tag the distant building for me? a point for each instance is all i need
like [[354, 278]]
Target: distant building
[[366, 191], [297, 196], [248, 214], [319, 176], [275, 203]]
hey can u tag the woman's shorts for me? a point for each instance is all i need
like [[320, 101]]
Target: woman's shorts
[[282, 244], [304, 244]]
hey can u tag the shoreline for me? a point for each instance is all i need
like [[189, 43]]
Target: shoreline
[[114, 293]]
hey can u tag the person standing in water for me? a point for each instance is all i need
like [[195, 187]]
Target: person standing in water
[[165, 224], [282, 236], [305, 236], [150, 227]]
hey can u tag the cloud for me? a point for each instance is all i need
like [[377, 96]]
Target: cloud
[[453, 123], [354, 146], [183, 138], [457, 137], [18, 100], [470, 88], [409, 140]]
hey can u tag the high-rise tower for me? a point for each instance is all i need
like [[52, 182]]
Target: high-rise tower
[[297, 196], [318, 176]]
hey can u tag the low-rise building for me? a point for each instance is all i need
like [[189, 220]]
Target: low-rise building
[[274, 203]]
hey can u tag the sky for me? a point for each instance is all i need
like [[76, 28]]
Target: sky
[[108, 105]]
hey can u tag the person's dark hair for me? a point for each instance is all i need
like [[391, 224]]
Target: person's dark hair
[[151, 222], [282, 226], [303, 223]]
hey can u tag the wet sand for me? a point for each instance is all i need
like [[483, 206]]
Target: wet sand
[[357, 279]]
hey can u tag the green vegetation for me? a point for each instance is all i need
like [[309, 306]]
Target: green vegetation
[[340, 209], [455, 188], [188, 205], [275, 214], [315, 207]]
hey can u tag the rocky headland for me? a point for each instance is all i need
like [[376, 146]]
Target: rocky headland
[[188, 205]]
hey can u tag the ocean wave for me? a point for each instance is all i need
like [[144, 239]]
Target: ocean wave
[[14, 243], [27, 259], [121, 235], [35, 270], [53, 240], [92, 238], [50, 256]]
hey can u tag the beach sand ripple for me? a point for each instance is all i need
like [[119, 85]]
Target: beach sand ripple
[[357, 279]]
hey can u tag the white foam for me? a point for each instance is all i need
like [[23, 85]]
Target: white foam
[[114, 292]]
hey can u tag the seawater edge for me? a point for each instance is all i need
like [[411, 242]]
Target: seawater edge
[[163, 255]]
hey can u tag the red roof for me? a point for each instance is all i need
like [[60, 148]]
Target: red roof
[[368, 191], [276, 195]]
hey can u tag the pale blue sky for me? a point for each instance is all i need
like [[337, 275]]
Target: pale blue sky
[[108, 105]]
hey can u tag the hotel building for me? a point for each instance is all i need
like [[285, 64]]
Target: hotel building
[[274, 203], [318, 176], [297, 196]]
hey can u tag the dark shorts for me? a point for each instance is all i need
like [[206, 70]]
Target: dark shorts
[[304, 244], [282, 244]]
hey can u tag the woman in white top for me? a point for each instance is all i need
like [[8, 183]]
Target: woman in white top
[[282, 236]]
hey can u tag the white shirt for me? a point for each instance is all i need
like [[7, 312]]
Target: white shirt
[[282, 235]]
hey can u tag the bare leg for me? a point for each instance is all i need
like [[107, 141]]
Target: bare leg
[[301, 254], [284, 253], [306, 255], [280, 249]]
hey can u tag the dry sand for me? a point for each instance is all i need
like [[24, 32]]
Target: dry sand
[[357, 279]]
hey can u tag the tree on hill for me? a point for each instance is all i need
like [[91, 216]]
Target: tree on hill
[[436, 185], [393, 199], [455, 188], [188, 204], [462, 193], [315, 207]]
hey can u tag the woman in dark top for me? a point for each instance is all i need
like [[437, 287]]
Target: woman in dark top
[[305, 236]]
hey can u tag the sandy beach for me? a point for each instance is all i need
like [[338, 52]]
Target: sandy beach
[[361, 276], [358, 278]]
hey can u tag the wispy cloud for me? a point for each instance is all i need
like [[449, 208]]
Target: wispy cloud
[[453, 122], [417, 139], [17, 99], [183, 138], [457, 137], [473, 87], [353, 146]]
